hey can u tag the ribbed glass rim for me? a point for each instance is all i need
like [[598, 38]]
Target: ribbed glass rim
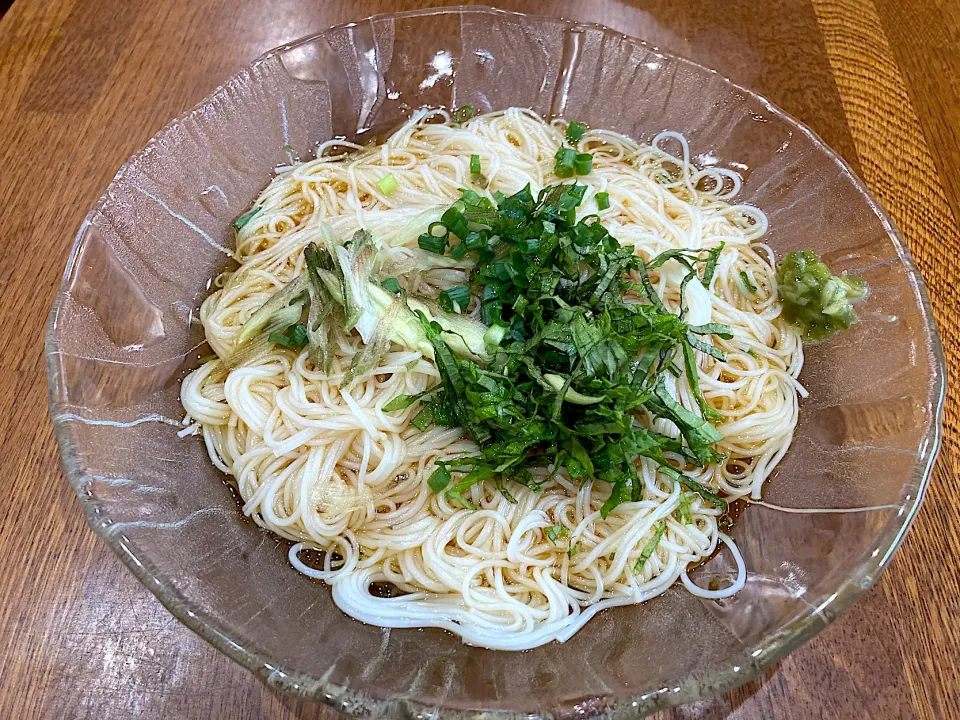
[[734, 672]]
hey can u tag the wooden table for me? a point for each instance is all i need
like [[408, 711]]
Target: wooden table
[[84, 84]]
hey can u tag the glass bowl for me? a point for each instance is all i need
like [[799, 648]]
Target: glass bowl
[[123, 331]]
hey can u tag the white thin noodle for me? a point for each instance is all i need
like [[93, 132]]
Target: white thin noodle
[[327, 468]]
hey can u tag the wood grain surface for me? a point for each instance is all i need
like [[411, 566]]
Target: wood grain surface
[[83, 84]]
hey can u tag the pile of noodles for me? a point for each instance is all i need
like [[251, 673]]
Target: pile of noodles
[[327, 468]]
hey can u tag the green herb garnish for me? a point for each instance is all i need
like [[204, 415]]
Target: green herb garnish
[[564, 162], [815, 300], [650, 547], [745, 279], [432, 243], [294, 337], [583, 163], [573, 366], [463, 113], [476, 173], [402, 402], [575, 131], [603, 200], [423, 419], [391, 284], [502, 487], [339, 292], [554, 532], [439, 479], [244, 219], [455, 299]]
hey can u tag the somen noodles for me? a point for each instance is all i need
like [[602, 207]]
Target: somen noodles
[[506, 565]]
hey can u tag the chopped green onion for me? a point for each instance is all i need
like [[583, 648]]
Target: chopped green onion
[[391, 285], [474, 241], [476, 175], [432, 244], [603, 200], [437, 229], [463, 113], [575, 131], [387, 184], [455, 299], [750, 287], [564, 161], [583, 163], [455, 222]]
